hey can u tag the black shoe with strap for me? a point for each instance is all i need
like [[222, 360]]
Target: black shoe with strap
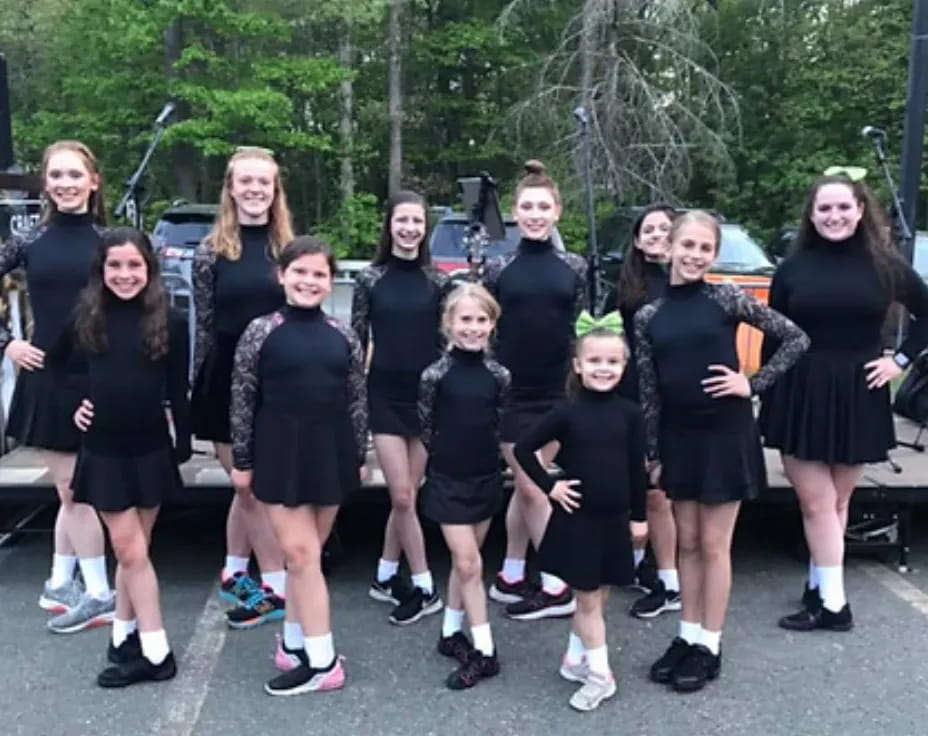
[[811, 598], [457, 646], [820, 618]]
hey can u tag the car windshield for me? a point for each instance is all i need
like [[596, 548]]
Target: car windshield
[[740, 253], [448, 241]]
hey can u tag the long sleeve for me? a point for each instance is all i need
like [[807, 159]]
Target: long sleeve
[[178, 365], [777, 300], [504, 381], [357, 394], [12, 255], [428, 389], [245, 389], [548, 429], [361, 308], [579, 265], [914, 296], [204, 299], [638, 477], [647, 378]]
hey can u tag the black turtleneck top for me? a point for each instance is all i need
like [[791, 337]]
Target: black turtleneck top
[[541, 291], [57, 257], [397, 305], [602, 445], [297, 361], [460, 400]]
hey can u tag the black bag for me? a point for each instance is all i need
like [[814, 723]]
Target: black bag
[[911, 399]]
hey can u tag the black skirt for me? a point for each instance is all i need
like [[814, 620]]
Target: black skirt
[[520, 415], [587, 550], [390, 415], [43, 406], [304, 459], [112, 484], [715, 460], [212, 391], [822, 410], [447, 500]]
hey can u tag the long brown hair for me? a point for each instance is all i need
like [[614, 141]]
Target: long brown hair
[[90, 322], [385, 246], [632, 287], [224, 237], [96, 204]]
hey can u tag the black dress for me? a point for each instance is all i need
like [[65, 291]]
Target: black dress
[[460, 399], [541, 290], [398, 305], [299, 409], [57, 259], [602, 446], [227, 296], [709, 448], [822, 409]]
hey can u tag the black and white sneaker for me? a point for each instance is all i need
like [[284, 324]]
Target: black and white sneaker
[[502, 591], [646, 578], [418, 604], [395, 590], [658, 601], [543, 605], [137, 670]]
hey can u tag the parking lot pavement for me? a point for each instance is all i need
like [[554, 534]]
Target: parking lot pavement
[[773, 682]]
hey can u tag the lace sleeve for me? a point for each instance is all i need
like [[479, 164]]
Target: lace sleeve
[[204, 299], [361, 305], [647, 376], [357, 388], [444, 286], [428, 391], [579, 266], [793, 341], [177, 367], [12, 256], [245, 382], [504, 381]]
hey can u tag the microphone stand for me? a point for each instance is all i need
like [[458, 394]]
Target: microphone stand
[[593, 245], [131, 203]]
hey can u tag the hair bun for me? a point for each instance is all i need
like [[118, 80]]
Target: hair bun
[[534, 166]]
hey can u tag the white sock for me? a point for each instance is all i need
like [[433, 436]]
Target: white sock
[[94, 571], [122, 629], [62, 570], [424, 580], [575, 649], [513, 570], [690, 633], [452, 622], [386, 569], [320, 650], [670, 579], [598, 659], [154, 645], [483, 639], [813, 574], [831, 585], [637, 556], [552, 584], [233, 565], [277, 581], [711, 640], [293, 635]]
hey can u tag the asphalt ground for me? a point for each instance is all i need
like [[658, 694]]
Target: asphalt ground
[[871, 682]]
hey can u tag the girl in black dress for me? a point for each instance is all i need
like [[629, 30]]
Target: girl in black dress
[[460, 399], [234, 281], [599, 506], [137, 354], [702, 439], [299, 432], [56, 257], [396, 308], [831, 412]]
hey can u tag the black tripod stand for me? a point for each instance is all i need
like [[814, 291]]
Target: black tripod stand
[[133, 201]]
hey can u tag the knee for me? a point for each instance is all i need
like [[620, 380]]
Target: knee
[[301, 556], [131, 550], [403, 499], [529, 495], [713, 550], [468, 567], [818, 506], [688, 542], [658, 503]]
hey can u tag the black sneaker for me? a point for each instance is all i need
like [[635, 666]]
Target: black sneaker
[[473, 670], [131, 648], [697, 668], [395, 590], [417, 605], [305, 679], [811, 598], [457, 646], [662, 670], [503, 591], [137, 670], [658, 601], [820, 618], [543, 605], [646, 577]]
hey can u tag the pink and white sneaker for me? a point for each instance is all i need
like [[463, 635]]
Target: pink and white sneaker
[[288, 659], [574, 672], [306, 679]]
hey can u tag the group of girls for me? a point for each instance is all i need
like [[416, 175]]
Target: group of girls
[[645, 410]]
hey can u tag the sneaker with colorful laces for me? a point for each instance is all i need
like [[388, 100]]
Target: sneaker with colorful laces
[[288, 659], [262, 607], [61, 599], [306, 679], [457, 646], [238, 588], [597, 688], [574, 671]]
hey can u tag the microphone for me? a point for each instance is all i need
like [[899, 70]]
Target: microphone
[[580, 115], [871, 131], [165, 113]]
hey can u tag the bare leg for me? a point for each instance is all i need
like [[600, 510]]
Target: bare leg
[[77, 527], [716, 526], [464, 541], [588, 620], [403, 463], [845, 479], [129, 535], [687, 518], [818, 500], [237, 542], [662, 530], [124, 609], [534, 504]]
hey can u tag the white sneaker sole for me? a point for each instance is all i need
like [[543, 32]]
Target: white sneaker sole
[[382, 597], [585, 706], [334, 680], [565, 609], [666, 608], [104, 619], [51, 605], [497, 595], [570, 675]]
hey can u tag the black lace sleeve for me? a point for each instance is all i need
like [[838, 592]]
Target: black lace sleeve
[[177, 367], [779, 296], [504, 381], [647, 376], [361, 305], [204, 301], [744, 307], [579, 266], [357, 388], [491, 271], [428, 391], [245, 381], [12, 256], [445, 286]]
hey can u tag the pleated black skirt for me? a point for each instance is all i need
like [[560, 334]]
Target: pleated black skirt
[[447, 500], [390, 415], [520, 415], [42, 409], [822, 410], [112, 484], [212, 391]]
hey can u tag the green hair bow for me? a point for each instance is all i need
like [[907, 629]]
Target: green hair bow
[[587, 323], [854, 173]]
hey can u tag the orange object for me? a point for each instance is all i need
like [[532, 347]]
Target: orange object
[[749, 338]]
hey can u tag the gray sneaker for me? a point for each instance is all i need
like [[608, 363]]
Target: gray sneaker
[[595, 690], [62, 599], [88, 613]]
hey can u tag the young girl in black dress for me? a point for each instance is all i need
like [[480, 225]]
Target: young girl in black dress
[[56, 257], [599, 506], [137, 354], [831, 412], [460, 399], [396, 308], [703, 442], [234, 281], [299, 432]]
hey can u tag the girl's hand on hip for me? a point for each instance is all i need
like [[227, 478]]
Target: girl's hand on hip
[[564, 493], [25, 355], [83, 416], [726, 383], [881, 371]]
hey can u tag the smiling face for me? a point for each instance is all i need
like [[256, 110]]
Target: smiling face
[[407, 229], [836, 212], [69, 182], [693, 249], [653, 238], [307, 280], [600, 361], [251, 186], [469, 325], [125, 272], [536, 212]]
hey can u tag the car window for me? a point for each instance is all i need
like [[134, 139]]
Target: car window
[[179, 234], [448, 241], [920, 255], [740, 252]]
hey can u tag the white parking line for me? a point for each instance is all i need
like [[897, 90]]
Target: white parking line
[[187, 692], [897, 585]]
